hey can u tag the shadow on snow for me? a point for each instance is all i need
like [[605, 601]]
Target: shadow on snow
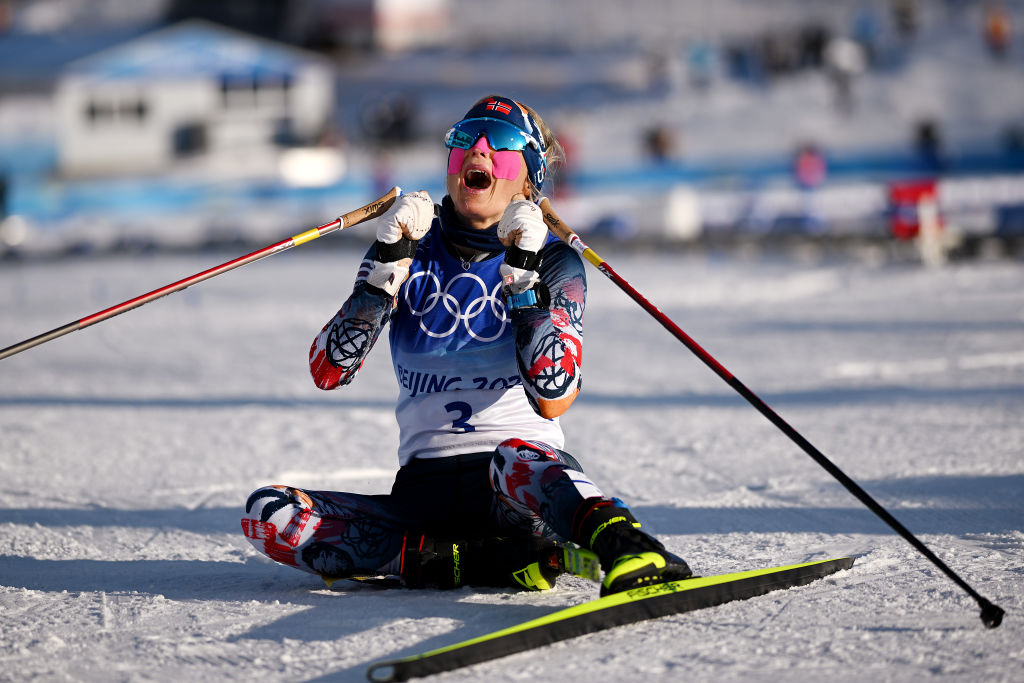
[[940, 504], [834, 396], [971, 504], [314, 613], [191, 402]]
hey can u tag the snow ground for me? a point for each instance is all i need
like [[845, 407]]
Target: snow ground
[[130, 447]]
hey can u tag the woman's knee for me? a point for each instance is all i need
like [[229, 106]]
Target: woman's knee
[[535, 481], [517, 463], [277, 521]]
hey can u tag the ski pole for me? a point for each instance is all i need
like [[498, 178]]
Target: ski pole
[[991, 614], [371, 210]]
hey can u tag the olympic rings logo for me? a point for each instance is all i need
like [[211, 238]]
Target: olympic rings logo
[[442, 321]]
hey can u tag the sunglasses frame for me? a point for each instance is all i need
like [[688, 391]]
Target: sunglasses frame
[[510, 137]]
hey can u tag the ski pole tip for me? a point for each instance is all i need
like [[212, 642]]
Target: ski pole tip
[[991, 614]]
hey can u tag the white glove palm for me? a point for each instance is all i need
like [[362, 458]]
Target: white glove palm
[[398, 231], [522, 230]]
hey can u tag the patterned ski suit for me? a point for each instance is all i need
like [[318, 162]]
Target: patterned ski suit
[[480, 444]]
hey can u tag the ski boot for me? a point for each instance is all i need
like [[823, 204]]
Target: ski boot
[[629, 557], [528, 562]]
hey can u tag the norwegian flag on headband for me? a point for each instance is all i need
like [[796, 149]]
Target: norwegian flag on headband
[[504, 108], [495, 105]]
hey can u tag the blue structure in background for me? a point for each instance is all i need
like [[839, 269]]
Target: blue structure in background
[[35, 191]]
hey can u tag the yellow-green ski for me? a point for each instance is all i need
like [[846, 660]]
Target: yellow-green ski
[[618, 609]]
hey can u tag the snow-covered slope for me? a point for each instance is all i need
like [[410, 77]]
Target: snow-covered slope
[[128, 449]]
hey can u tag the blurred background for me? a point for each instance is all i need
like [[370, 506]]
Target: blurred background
[[144, 124]]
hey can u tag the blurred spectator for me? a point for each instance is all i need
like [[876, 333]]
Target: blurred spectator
[[744, 62], [928, 140], [810, 170], [813, 39], [998, 29], [390, 120], [905, 16], [660, 143], [664, 71], [866, 30], [701, 61], [1013, 144], [845, 60], [778, 54], [911, 203], [809, 167]]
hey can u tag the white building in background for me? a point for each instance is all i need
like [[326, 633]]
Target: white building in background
[[196, 93]]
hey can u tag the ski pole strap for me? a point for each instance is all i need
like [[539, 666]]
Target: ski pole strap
[[521, 258]]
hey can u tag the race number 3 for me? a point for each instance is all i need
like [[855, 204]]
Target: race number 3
[[462, 411]]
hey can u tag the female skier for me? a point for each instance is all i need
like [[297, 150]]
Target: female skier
[[486, 316]]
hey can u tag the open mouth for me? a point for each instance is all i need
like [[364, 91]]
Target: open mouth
[[475, 179]]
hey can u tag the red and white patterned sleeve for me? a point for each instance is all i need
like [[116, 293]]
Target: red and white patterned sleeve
[[338, 352], [549, 343]]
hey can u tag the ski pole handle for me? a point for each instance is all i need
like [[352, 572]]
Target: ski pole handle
[[363, 213]]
